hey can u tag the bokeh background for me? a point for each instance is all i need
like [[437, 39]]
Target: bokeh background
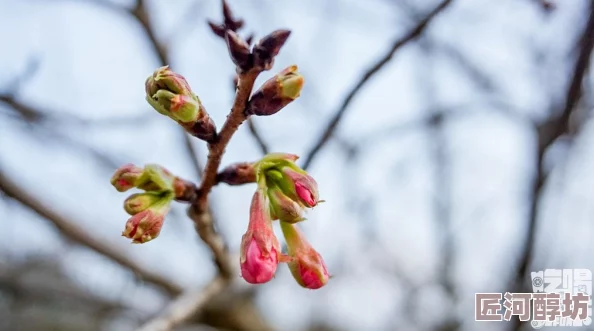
[[460, 167]]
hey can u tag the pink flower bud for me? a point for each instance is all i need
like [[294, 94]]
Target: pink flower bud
[[304, 185], [146, 225], [126, 177], [259, 246], [306, 264]]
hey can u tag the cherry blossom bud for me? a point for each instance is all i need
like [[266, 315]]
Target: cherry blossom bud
[[126, 177], [296, 184], [276, 93], [272, 160], [155, 178], [165, 79], [268, 48], [139, 202], [146, 225], [284, 208], [260, 248], [239, 50], [304, 186], [170, 94], [182, 108], [306, 264]]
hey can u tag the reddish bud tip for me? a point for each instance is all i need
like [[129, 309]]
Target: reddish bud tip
[[259, 245], [305, 195], [259, 266], [146, 225], [304, 185], [126, 177]]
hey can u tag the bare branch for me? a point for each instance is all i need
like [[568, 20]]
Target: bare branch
[[548, 133], [185, 306], [69, 228], [27, 112], [199, 209], [34, 116], [398, 44]]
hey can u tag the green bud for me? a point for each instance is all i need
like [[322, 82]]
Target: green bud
[[277, 160], [283, 207], [291, 84], [179, 107], [169, 94], [165, 79], [138, 202], [156, 179]]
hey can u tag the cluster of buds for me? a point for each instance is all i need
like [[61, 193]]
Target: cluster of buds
[[170, 94], [148, 209], [259, 57], [284, 192]]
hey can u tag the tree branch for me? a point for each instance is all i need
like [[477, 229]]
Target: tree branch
[[199, 209], [374, 69], [548, 133], [185, 306], [69, 228]]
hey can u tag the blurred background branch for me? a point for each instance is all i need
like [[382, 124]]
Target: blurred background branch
[[375, 68]]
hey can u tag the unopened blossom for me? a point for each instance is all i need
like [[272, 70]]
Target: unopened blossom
[[306, 264], [126, 177], [260, 248], [276, 93], [170, 94], [146, 225]]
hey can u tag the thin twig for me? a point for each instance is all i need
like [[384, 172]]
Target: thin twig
[[234, 120], [69, 228], [257, 136], [399, 43], [548, 133], [185, 306]]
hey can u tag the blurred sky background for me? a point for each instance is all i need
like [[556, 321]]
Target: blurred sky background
[[427, 181]]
